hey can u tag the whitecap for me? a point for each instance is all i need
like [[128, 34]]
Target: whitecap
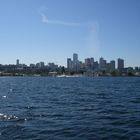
[[1, 114], [5, 116], [8, 117], [4, 96]]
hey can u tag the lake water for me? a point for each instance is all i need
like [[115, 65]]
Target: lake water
[[42, 108]]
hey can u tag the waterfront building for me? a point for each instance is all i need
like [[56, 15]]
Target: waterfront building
[[69, 63], [102, 64], [96, 65], [130, 70], [81, 65], [120, 64], [17, 62], [75, 62], [112, 65], [136, 68], [52, 66], [108, 67], [32, 65], [75, 59], [92, 63], [40, 65], [89, 63]]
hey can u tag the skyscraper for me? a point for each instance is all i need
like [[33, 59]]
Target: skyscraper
[[75, 58], [120, 64], [102, 64], [89, 63], [17, 62], [69, 63], [75, 62], [112, 65]]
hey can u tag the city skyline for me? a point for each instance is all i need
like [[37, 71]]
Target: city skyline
[[51, 30], [88, 67], [91, 64], [75, 60]]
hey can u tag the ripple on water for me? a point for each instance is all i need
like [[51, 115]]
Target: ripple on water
[[84, 108], [8, 117], [5, 117]]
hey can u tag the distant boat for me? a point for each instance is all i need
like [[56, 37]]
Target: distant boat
[[63, 75]]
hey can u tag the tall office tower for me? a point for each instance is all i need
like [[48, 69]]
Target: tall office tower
[[96, 65], [112, 65], [75, 58], [17, 62], [89, 63], [92, 62], [120, 64], [102, 64], [42, 64], [75, 62], [69, 63], [81, 65], [136, 68], [52, 66]]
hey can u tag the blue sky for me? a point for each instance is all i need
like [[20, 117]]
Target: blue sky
[[52, 30]]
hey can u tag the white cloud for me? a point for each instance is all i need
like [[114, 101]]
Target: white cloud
[[92, 41], [48, 21]]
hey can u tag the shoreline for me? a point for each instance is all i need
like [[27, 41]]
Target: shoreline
[[69, 76]]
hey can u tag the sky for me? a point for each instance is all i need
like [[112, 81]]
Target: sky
[[52, 30]]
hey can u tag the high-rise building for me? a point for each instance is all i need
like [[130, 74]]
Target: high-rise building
[[136, 68], [75, 58], [112, 65], [75, 62], [92, 62], [89, 63], [96, 65], [120, 64], [102, 64], [17, 62], [32, 65], [81, 65], [52, 66], [69, 63], [42, 64]]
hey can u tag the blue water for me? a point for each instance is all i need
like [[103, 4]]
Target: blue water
[[42, 108]]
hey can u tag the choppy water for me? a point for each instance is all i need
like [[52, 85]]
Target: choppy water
[[41, 108]]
